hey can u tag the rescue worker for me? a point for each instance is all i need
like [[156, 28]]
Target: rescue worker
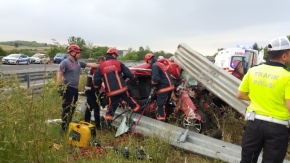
[[92, 96], [162, 82], [267, 87], [111, 72], [68, 80]]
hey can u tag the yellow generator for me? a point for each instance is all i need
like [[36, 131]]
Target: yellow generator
[[81, 134]]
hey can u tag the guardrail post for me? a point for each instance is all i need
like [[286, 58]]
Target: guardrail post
[[28, 80]]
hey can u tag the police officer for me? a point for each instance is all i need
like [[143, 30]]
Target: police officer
[[267, 86], [92, 96], [111, 71], [161, 80], [68, 79]]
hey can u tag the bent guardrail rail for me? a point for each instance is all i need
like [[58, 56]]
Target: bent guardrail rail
[[215, 79], [184, 139]]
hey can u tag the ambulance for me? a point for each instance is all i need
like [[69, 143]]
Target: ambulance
[[229, 58]]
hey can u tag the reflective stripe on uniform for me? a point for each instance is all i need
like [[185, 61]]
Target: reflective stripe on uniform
[[116, 92]]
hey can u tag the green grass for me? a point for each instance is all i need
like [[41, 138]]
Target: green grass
[[26, 137]]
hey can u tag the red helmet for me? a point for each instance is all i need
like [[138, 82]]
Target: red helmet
[[148, 56], [74, 48], [112, 51]]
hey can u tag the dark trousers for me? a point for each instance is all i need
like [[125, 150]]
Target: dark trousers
[[271, 137], [114, 102], [69, 98], [161, 101], [92, 105]]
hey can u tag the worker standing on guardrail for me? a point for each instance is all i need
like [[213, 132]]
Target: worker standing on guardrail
[[68, 79], [267, 86], [162, 81], [92, 96], [111, 71]]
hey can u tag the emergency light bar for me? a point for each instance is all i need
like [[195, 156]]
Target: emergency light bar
[[244, 47]]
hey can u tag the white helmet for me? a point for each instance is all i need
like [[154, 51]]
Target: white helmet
[[160, 57], [280, 43]]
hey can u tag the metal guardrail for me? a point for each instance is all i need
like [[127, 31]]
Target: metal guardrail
[[43, 75], [184, 139], [215, 79], [31, 76]]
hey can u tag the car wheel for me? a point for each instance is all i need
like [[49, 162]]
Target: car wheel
[[195, 124], [28, 63]]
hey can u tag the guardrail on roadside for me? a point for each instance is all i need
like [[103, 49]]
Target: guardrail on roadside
[[31, 76], [44, 75], [215, 79], [183, 138]]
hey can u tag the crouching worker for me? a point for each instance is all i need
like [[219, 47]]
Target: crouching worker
[[92, 96], [162, 81], [111, 72]]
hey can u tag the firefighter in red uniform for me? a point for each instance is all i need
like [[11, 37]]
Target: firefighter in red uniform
[[162, 82], [92, 94], [111, 71]]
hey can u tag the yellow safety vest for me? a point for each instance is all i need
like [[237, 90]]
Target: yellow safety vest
[[268, 87]]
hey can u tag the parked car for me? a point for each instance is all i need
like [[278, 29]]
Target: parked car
[[59, 57], [40, 58], [16, 59]]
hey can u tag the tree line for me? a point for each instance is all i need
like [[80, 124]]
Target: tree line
[[255, 47], [91, 51]]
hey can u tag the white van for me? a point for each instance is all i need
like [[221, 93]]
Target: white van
[[229, 58]]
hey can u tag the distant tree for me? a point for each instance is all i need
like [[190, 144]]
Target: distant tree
[[86, 53], [77, 40], [141, 48], [99, 51], [255, 46], [2, 52], [56, 48], [266, 57], [147, 48], [142, 52], [16, 45], [288, 37], [89, 47], [45, 44], [130, 56], [219, 49], [129, 50]]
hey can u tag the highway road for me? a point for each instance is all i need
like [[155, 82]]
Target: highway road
[[41, 67], [7, 69]]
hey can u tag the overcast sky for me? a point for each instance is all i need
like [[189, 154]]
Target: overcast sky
[[204, 25]]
